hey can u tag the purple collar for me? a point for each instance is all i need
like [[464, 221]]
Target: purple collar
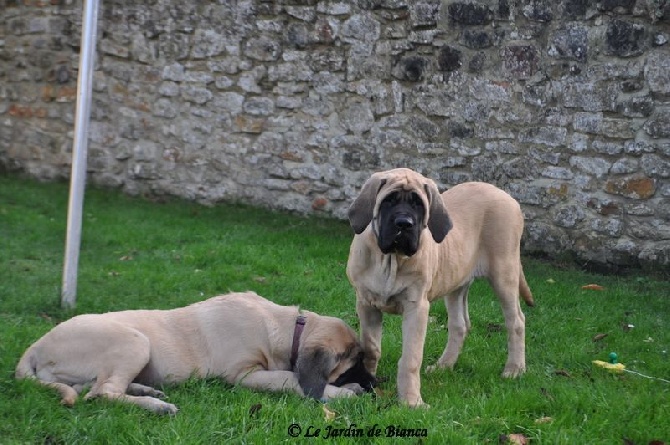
[[297, 331]]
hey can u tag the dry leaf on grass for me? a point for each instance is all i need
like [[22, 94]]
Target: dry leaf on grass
[[546, 394], [514, 439], [328, 415], [599, 337], [544, 420], [593, 287], [254, 409]]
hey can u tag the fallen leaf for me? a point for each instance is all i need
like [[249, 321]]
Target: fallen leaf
[[546, 394], [517, 439], [328, 415], [599, 337], [493, 327], [648, 340], [259, 279], [126, 258], [562, 372], [593, 287], [254, 409], [551, 281], [544, 420]]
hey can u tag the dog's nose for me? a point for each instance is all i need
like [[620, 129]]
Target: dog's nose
[[403, 222]]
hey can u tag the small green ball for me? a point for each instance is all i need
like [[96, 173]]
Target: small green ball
[[613, 357]]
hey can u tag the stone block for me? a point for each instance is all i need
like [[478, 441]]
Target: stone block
[[263, 48], [655, 166], [625, 39], [635, 187], [658, 125], [657, 72], [469, 13], [423, 13], [520, 61], [570, 43], [598, 167]]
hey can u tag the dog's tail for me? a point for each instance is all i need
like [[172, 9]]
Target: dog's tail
[[524, 290], [27, 369]]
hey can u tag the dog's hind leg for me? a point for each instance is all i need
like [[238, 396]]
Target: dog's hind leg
[[458, 325], [119, 366], [137, 389], [68, 393], [506, 286], [112, 389]]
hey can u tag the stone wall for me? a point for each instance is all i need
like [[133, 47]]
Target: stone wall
[[291, 104]]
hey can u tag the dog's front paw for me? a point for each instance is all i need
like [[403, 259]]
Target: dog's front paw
[[333, 392], [432, 368], [355, 387], [437, 367], [513, 371], [416, 403], [166, 408]]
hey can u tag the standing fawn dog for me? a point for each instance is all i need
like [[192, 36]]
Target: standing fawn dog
[[413, 245]]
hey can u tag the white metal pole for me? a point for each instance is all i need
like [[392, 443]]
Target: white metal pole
[[79, 150]]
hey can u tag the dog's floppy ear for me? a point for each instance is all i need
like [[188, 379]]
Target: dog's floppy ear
[[313, 368], [439, 222], [360, 211]]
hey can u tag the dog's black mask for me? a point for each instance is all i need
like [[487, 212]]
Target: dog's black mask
[[357, 374], [401, 216]]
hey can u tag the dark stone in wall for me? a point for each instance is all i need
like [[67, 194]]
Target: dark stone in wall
[[459, 130], [413, 68], [470, 14], [520, 60], [449, 59], [359, 159], [477, 62], [503, 9], [623, 6], [574, 9], [477, 39], [297, 36], [538, 10], [625, 39]]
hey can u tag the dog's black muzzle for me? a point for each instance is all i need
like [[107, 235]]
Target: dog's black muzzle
[[357, 374], [403, 222], [400, 223]]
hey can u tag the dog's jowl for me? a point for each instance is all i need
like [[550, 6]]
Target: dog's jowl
[[413, 246]]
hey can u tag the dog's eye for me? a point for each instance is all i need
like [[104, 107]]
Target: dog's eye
[[392, 199], [415, 200]]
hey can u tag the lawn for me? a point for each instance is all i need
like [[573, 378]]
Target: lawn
[[165, 253]]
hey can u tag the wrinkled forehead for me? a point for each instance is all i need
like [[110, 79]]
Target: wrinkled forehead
[[402, 182]]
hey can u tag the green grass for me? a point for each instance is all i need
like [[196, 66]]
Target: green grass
[[142, 254]]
